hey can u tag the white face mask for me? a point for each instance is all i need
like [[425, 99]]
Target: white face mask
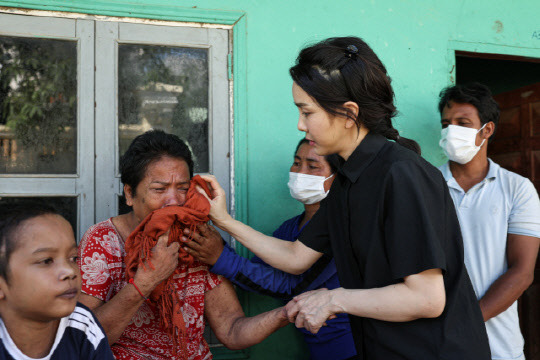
[[459, 143], [308, 189]]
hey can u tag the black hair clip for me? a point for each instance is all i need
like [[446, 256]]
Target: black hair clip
[[352, 51]]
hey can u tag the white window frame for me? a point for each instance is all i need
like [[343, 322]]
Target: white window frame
[[108, 36], [96, 183], [80, 184]]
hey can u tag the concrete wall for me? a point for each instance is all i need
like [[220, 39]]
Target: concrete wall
[[415, 40]]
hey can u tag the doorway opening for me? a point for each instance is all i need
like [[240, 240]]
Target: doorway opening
[[515, 84]]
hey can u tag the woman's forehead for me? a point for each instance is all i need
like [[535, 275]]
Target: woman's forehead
[[307, 152], [301, 98], [166, 168]]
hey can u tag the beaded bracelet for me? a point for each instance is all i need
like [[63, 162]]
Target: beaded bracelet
[[139, 291]]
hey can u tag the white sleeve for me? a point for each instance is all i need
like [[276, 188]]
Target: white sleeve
[[524, 217]]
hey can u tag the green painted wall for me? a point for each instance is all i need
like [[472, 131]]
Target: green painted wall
[[415, 39]]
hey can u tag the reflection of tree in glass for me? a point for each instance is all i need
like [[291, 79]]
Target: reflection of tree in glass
[[140, 68], [167, 88], [190, 115], [66, 206], [38, 91]]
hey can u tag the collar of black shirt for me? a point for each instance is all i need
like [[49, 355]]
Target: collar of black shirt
[[362, 156]]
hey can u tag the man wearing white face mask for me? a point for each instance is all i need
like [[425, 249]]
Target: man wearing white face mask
[[498, 211], [310, 178]]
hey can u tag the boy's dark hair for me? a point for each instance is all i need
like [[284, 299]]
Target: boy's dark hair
[[11, 218], [476, 94], [341, 69], [147, 148]]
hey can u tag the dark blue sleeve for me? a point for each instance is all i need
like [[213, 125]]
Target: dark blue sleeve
[[103, 351], [4, 354], [83, 338], [256, 276]]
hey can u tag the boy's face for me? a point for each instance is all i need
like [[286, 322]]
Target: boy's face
[[43, 279]]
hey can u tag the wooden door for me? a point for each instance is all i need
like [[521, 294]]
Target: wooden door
[[516, 147]]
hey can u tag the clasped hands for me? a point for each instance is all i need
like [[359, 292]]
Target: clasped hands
[[309, 310], [312, 309]]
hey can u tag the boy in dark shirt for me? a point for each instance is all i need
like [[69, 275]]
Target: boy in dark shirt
[[39, 287]]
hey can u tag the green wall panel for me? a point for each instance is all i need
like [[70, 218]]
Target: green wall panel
[[415, 39]]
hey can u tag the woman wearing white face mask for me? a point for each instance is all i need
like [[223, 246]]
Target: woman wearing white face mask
[[310, 179]]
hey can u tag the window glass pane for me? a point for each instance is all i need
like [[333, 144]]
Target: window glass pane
[[38, 106], [66, 206], [164, 87]]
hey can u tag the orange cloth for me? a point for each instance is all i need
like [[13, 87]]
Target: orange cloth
[[138, 251]]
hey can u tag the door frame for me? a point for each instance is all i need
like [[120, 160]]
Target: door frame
[[500, 52], [485, 51]]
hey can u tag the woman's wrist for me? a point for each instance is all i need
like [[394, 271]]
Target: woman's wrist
[[143, 285], [281, 314], [338, 305], [143, 296], [225, 223]]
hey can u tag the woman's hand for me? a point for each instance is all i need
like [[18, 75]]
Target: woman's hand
[[206, 244], [163, 261], [311, 309], [218, 203]]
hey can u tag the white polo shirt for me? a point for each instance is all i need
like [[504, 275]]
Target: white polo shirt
[[503, 203]]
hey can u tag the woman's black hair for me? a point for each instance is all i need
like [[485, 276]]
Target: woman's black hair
[[11, 218], [341, 69], [147, 148], [331, 160]]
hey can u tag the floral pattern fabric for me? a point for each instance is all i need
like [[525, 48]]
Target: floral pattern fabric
[[101, 261]]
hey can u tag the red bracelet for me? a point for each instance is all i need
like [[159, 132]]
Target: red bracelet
[[139, 291]]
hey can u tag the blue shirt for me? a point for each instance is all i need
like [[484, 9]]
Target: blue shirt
[[79, 336], [502, 203], [333, 341]]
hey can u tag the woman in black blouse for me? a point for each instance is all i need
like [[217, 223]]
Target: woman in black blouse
[[388, 221]]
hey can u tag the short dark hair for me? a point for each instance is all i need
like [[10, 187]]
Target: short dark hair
[[147, 148], [475, 94], [11, 218], [331, 160], [300, 143], [341, 69]]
